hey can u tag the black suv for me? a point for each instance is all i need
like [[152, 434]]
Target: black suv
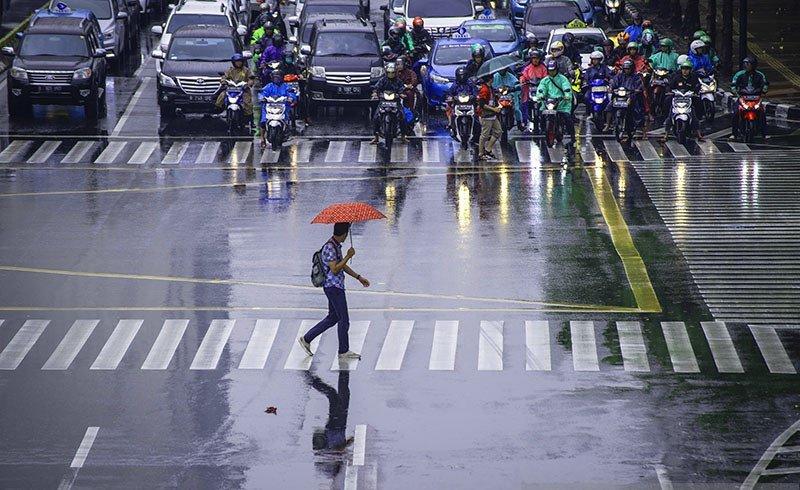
[[61, 61], [343, 62], [189, 79]]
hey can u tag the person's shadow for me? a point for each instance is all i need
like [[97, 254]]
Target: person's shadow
[[333, 438]]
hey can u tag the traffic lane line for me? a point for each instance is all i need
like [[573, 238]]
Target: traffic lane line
[[144, 86], [86, 445]]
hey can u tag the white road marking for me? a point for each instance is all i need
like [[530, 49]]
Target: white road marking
[[166, 344], [663, 478], [430, 151], [357, 334], [537, 346], [13, 151], [708, 148], [261, 340], [445, 341], [304, 151], [44, 152], [117, 344], [213, 344], [772, 350], [679, 347], [556, 153], [719, 134], [588, 152], [647, 150], [527, 151], [269, 156], [584, 347], [459, 155], [143, 88], [84, 448], [240, 153], [298, 359], [615, 151], [370, 474], [722, 349], [21, 344], [142, 153], [208, 152], [490, 346], [70, 345], [631, 343], [367, 153], [78, 152], [175, 153], [350, 478], [110, 152], [399, 153], [777, 446], [335, 153], [739, 147], [395, 345], [677, 149], [360, 445]]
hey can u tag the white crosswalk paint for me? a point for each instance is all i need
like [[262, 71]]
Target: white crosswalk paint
[[117, 345], [722, 349], [44, 152], [213, 344], [631, 343], [261, 340], [680, 348], [14, 150], [399, 153], [175, 153], [335, 153], [357, 333], [78, 152], [647, 150], [350, 478], [298, 359], [86, 445], [208, 152], [359, 445], [269, 156], [304, 151], [367, 153], [70, 345], [739, 147], [537, 346], [772, 350], [430, 151], [240, 153], [110, 152], [490, 346], [445, 341], [708, 148], [677, 149], [395, 345], [142, 153], [527, 151], [588, 152], [21, 344], [584, 348], [615, 151], [556, 154], [460, 155], [165, 345]]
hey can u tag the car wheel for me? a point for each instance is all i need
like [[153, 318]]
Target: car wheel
[[167, 111]]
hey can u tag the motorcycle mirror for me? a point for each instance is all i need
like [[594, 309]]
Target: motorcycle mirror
[[8, 51], [99, 53], [158, 30], [305, 49], [122, 15], [241, 30], [157, 54], [247, 54], [293, 39]]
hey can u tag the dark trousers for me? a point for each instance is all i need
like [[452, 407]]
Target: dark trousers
[[337, 313]]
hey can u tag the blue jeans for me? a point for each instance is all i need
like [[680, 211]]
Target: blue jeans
[[337, 313]]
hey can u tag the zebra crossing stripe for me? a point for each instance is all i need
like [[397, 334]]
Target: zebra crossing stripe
[[679, 347], [14, 150], [584, 348], [556, 153], [708, 148], [631, 344], [772, 350], [240, 153], [490, 346], [21, 344], [175, 153], [359, 445], [261, 340], [588, 152], [395, 345], [44, 152], [445, 341], [722, 349], [399, 153], [213, 344], [117, 345], [647, 150], [165, 345], [335, 153], [430, 151], [270, 156], [367, 152], [142, 153], [298, 359], [110, 152], [208, 152], [537, 346], [357, 333], [350, 477], [460, 155], [304, 151], [70, 345], [615, 151], [739, 147], [525, 151], [677, 149], [78, 152]]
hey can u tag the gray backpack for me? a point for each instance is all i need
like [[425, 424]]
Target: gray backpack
[[317, 269]]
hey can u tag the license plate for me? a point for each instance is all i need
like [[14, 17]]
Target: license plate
[[200, 98], [547, 112], [348, 90], [50, 89], [464, 108], [599, 89], [620, 103]]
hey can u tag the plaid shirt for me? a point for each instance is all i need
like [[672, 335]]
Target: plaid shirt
[[332, 251]]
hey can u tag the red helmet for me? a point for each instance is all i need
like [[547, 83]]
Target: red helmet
[[418, 22]]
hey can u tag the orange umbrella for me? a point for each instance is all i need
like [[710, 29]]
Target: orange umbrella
[[347, 212]]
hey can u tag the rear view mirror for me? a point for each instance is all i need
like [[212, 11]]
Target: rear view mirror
[[305, 49], [8, 51], [100, 53], [241, 30], [479, 8], [293, 39], [157, 54], [122, 15], [398, 10], [293, 20], [247, 54], [158, 30]]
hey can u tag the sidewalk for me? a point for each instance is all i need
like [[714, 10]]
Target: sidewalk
[[16, 13]]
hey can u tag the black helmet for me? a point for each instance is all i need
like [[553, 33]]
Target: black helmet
[[461, 74], [627, 65], [750, 60], [568, 38], [396, 32], [277, 38]]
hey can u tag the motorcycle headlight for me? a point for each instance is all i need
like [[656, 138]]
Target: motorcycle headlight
[[463, 99], [389, 96], [318, 71], [82, 74], [167, 81], [622, 92], [19, 74], [612, 3], [376, 72], [713, 86]]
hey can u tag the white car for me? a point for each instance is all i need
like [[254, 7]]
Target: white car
[[442, 17], [585, 40]]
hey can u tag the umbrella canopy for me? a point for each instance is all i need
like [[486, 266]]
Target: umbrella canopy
[[347, 212], [494, 65]]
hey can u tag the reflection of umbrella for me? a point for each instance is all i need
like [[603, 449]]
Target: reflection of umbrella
[[347, 212], [494, 65]]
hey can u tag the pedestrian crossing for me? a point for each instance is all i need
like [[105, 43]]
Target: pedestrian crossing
[[171, 153], [400, 344], [737, 224]]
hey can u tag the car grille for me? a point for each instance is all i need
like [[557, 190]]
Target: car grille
[[342, 78], [199, 85], [47, 77], [439, 32]]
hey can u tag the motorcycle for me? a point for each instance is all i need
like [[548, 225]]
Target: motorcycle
[[621, 102], [681, 114], [234, 112], [659, 85], [266, 71], [293, 81], [277, 120], [749, 114], [535, 116], [598, 98], [613, 10], [708, 91], [464, 117], [552, 129], [389, 112], [505, 99]]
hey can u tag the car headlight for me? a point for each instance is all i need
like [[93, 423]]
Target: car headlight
[[439, 79], [19, 74], [167, 81], [375, 72], [82, 74], [318, 71]]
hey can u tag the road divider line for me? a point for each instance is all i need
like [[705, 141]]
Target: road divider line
[[537, 345], [261, 340], [78, 152], [360, 445], [680, 347], [584, 346], [83, 449], [298, 359], [394, 345], [117, 345], [490, 346], [357, 333], [631, 343], [722, 349], [21, 344], [143, 87], [443, 350], [214, 342], [772, 350], [166, 344], [142, 153], [44, 152], [70, 345]]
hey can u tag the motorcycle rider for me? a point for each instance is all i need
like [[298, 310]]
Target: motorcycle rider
[[570, 51], [556, 86], [534, 72], [634, 30], [632, 81], [531, 43], [276, 88], [505, 78], [478, 56], [666, 59], [751, 80], [639, 61], [710, 51], [397, 47], [488, 110], [409, 79], [422, 39], [621, 50], [647, 41], [607, 47], [406, 36], [596, 70], [699, 58], [238, 72], [564, 64], [274, 52], [389, 82], [462, 85], [684, 79]]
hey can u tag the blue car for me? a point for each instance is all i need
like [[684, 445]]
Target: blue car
[[588, 10], [439, 72], [63, 10], [518, 11], [500, 33]]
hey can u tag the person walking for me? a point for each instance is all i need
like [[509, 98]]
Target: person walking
[[335, 266], [491, 130]]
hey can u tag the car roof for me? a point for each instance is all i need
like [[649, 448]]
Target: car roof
[[343, 26], [59, 25], [446, 41], [319, 16], [472, 22], [579, 31], [342, 2], [200, 7], [204, 30], [554, 3], [77, 13]]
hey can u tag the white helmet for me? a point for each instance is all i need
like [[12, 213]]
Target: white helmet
[[682, 58], [596, 55], [696, 45]]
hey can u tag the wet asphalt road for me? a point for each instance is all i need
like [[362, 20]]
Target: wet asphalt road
[[630, 323]]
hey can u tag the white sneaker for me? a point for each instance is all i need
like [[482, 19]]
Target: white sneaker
[[305, 345], [349, 355]]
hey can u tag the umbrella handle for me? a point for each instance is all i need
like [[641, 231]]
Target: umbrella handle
[[351, 241]]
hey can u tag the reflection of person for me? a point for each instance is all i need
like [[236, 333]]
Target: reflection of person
[[333, 438]]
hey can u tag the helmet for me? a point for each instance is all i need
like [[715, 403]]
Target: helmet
[[395, 32], [265, 6], [477, 49], [461, 74], [751, 60], [531, 38], [568, 38], [391, 70], [696, 45], [687, 64], [536, 53], [400, 62], [622, 38], [698, 34], [627, 65], [418, 22], [237, 57], [633, 45], [706, 39], [647, 24], [557, 48], [400, 22], [596, 55], [666, 42], [551, 65], [648, 36], [277, 38], [682, 58]]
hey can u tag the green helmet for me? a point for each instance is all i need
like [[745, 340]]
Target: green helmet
[[477, 48], [687, 64], [666, 42], [706, 39], [698, 34], [633, 44]]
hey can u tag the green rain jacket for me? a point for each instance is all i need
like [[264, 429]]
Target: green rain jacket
[[668, 61], [557, 87]]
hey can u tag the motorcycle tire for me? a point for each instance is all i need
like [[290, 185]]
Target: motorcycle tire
[[550, 134], [464, 133], [710, 112], [599, 122], [619, 126], [681, 132], [749, 131]]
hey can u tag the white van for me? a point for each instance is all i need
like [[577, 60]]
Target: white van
[[442, 17]]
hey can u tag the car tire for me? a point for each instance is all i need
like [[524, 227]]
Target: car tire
[[167, 111]]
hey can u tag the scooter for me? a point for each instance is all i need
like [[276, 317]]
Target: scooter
[[749, 114], [598, 98], [389, 112], [613, 10], [681, 114], [535, 115], [293, 81], [708, 91], [552, 128], [621, 100], [505, 99], [464, 117], [659, 85], [234, 113], [277, 120], [266, 72]]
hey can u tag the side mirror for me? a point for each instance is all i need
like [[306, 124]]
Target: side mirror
[[157, 30], [293, 39], [8, 51], [247, 54], [305, 49], [100, 53], [386, 50], [241, 30], [293, 2], [170, 6], [157, 54], [122, 15], [384, 7], [20, 35], [479, 8], [398, 10], [293, 20], [423, 61]]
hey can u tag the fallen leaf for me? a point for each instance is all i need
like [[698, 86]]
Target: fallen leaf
[[272, 410]]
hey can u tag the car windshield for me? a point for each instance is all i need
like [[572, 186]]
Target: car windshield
[[503, 33], [54, 45], [312, 9], [544, 14], [201, 49], [455, 54], [584, 43], [440, 8], [181, 20], [346, 44], [101, 8]]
